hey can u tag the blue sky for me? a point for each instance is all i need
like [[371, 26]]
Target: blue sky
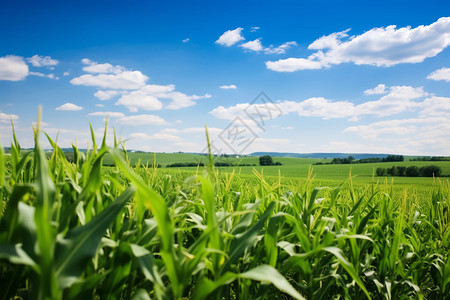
[[337, 76]]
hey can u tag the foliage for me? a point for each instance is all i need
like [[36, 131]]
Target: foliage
[[411, 171], [74, 230], [265, 160]]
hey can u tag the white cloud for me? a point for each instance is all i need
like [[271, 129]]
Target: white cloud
[[329, 41], [111, 114], [109, 76], [66, 74], [441, 74], [69, 107], [8, 117], [253, 45], [293, 64], [127, 80], [186, 40], [139, 120], [399, 99], [140, 100], [156, 136], [148, 98], [94, 67], [142, 97], [42, 61], [319, 107], [13, 68], [106, 95], [378, 90], [230, 37], [228, 87], [99, 105], [436, 106], [39, 74], [422, 135], [382, 47], [280, 49], [254, 28]]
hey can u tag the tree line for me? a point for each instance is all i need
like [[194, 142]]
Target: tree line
[[352, 160], [411, 171]]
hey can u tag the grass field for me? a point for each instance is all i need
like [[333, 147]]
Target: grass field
[[82, 230]]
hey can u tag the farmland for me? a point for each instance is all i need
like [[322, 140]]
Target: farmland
[[79, 229]]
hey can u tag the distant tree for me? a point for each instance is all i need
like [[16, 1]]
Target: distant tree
[[430, 171], [392, 171], [401, 171], [391, 158], [351, 158], [381, 171], [278, 163], [265, 160], [412, 171]]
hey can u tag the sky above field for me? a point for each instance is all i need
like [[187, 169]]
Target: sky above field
[[285, 76]]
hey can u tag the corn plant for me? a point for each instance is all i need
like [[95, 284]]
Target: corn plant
[[74, 229]]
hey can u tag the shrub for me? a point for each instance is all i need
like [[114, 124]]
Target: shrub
[[392, 171], [401, 171], [430, 171], [381, 171], [412, 171], [265, 160]]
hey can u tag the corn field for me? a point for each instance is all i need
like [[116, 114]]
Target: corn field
[[79, 230]]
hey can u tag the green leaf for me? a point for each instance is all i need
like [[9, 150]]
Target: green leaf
[[246, 239], [266, 273], [205, 286], [141, 294], [80, 244], [348, 267], [147, 264], [16, 255]]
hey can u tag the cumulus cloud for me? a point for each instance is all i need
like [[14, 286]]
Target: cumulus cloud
[[186, 40], [253, 45], [148, 98], [127, 80], [140, 99], [109, 76], [42, 61], [94, 67], [111, 114], [13, 68], [293, 64], [8, 117], [156, 136], [436, 106], [106, 95], [230, 37], [423, 133], [399, 99], [441, 74], [135, 94], [228, 87], [69, 107], [254, 28], [381, 47], [139, 120], [378, 90]]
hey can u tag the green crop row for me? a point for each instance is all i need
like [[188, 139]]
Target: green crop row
[[74, 230]]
